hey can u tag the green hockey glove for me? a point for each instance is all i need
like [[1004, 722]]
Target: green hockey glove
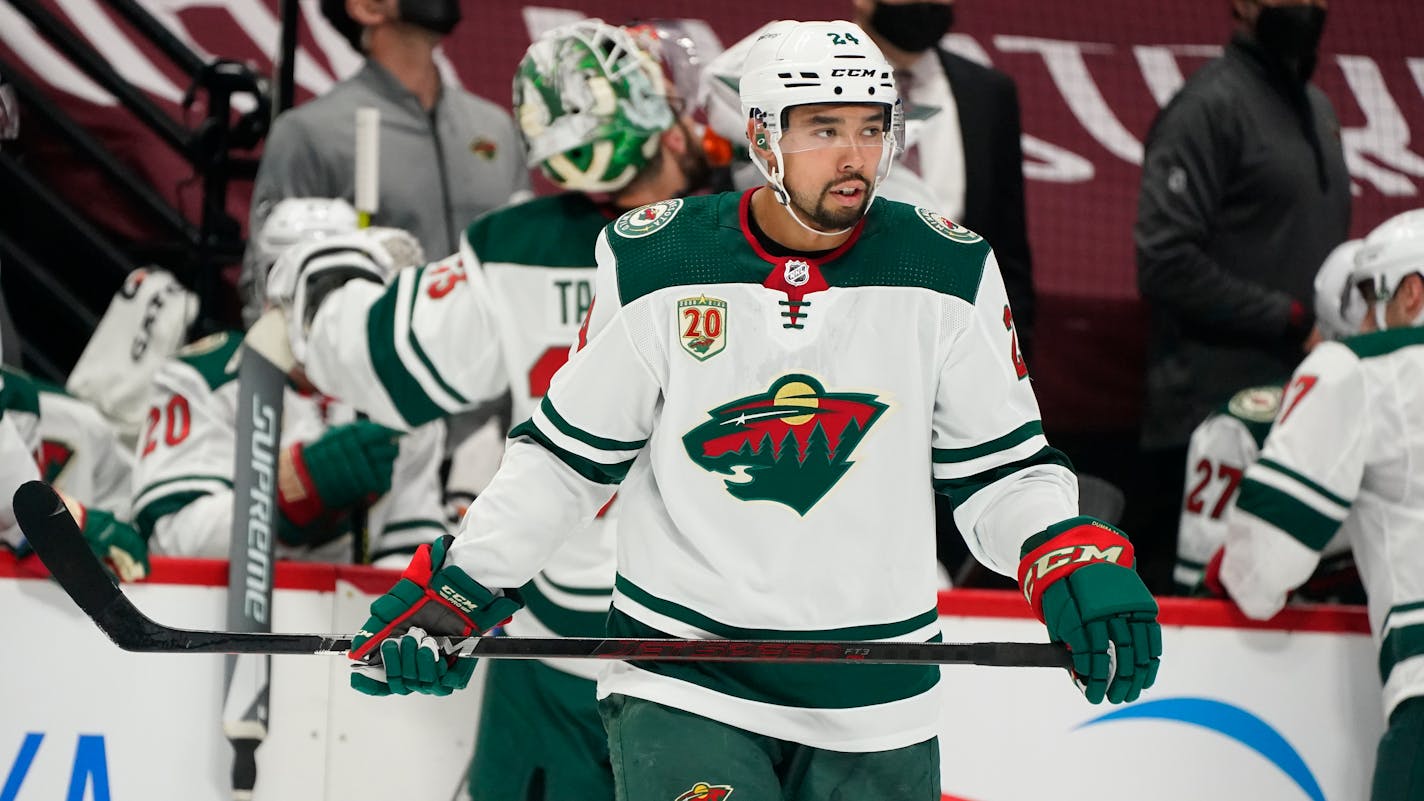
[[122, 550], [1078, 576], [319, 482], [430, 600]]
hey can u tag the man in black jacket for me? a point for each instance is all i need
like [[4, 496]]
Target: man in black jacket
[[962, 123], [1244, 193]]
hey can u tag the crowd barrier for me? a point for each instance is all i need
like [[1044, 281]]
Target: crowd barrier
[[1285, 710]]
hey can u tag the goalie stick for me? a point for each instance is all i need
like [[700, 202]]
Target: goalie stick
[[61, 546]]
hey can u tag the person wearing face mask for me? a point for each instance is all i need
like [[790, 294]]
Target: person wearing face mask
[[446, 156], [962, 130], [1244, 193]]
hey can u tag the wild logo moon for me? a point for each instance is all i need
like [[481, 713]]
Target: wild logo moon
[[794, 440]]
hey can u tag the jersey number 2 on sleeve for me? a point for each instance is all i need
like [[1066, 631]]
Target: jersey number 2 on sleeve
[[1232, 475], [178, 423], [1020, 367]]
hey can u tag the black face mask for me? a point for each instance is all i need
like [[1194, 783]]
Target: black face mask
[[440, 16], [1291, 34], [912, 27]]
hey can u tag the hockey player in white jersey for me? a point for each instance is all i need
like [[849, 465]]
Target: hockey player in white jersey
[[1345, 454], [74, 449], [595, 104], [1229, 441], [775, 382], [331, 463]]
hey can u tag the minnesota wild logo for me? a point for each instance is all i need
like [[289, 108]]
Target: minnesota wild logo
[[791, 443], [946, 227], [648, 219]]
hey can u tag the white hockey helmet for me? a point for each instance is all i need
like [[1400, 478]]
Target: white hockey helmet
[[804, 63], [297, 219], [308, 271], [1390, 253], [1339, 308]]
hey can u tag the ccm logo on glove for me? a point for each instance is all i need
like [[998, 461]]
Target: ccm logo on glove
[[1054, 559]]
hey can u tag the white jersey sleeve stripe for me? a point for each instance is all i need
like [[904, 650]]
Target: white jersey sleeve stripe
[[1301, 479], [592, 470], [1284, 511], [407, 350], [1025, 449]]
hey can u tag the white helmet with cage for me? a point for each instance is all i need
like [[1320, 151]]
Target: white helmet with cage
[[1390, 253], [1339, 309], [805, 63], [297, 219]]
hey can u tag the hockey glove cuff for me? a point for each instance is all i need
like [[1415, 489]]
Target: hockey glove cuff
[[430, 600], [1078, 576]]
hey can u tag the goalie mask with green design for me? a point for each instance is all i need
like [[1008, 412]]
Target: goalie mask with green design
[[590, 105]]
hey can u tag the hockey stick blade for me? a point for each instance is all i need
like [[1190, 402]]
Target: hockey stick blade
[[60, 545], [58, 542]]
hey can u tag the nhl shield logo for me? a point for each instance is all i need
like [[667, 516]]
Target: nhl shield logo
[[702, 326], [648, 219], [798, 272], [946, 227]]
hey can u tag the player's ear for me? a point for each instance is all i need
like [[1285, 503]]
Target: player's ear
[[675, 139], [1411, 292]]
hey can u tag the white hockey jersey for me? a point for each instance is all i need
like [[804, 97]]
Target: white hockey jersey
[[776, 427], [1347, 448], [17, 465], [1221, 448], [499, 315], [77, 451], [184, 465]]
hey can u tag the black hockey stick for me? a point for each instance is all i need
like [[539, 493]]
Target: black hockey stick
[[59, 543]]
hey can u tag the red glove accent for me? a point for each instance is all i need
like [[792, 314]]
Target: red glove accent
[[1056, 558], [1211, 577], [296, 494]]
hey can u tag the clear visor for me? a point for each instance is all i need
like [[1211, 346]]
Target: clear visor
[[9, 113], [844, 127]]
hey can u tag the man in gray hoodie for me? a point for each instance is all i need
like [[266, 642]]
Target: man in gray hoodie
[[446, 156]]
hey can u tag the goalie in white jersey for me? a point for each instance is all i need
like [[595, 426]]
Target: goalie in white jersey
[[502, 315], [331, 464], [1229, 441], [775, 383], [1345, 455]]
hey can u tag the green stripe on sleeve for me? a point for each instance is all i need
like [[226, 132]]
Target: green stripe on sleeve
[[147, 517], [1018, 436], [561, 620], [597, 472], [410, 399], [1286, 513], [959, 490], [804, 686], [570, 430], [420, 352], [1304, 482], [1400, 644]]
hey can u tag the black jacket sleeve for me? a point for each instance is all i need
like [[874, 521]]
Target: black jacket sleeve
[[1009, 234]]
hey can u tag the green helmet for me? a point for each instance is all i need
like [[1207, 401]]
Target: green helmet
[[590, 104]]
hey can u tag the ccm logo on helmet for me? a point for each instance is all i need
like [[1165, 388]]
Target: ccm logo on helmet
[[851, 72]]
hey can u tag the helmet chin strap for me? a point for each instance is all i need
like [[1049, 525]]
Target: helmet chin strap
[[783, 197]]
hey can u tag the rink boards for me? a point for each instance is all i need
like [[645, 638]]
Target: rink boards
[[1284, 711]]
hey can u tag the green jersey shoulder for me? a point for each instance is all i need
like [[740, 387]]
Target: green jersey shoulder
[[707, 240]]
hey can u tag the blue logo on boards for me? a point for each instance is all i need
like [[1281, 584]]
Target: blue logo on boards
[[1225, 719], [91, 768]]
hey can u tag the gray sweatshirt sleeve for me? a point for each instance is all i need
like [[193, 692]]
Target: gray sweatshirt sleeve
[[1185, 172]]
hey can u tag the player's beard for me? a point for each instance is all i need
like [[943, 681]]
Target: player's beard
[[815, 211]]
